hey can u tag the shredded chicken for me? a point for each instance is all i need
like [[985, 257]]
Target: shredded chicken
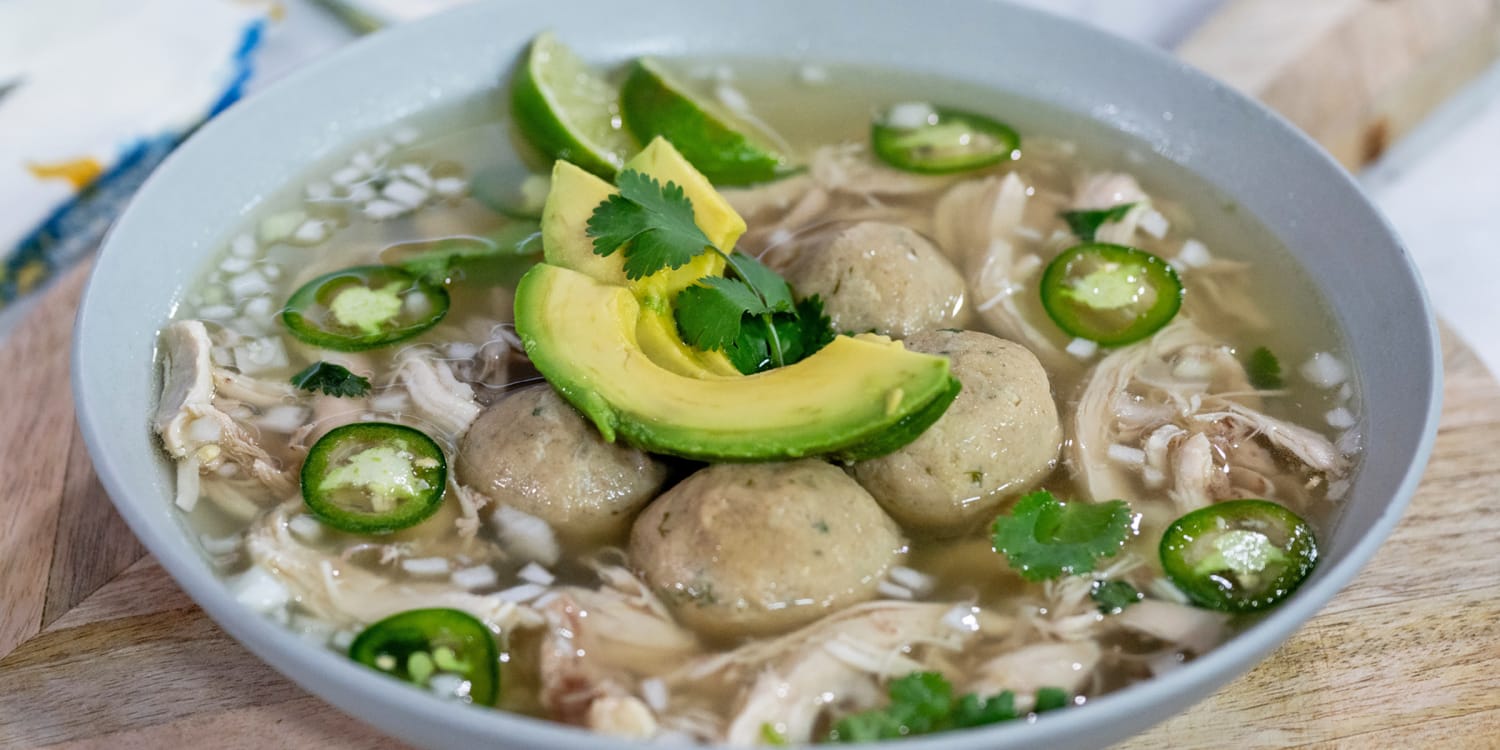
[[1068, 665], [1186, 404], [1107, 190], [345, 594], [439, 396], [976, 224], [1182, 626], [193, 428], [600, 643], [837, 663]]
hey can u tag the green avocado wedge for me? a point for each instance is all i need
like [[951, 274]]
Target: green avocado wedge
[[855, 397]]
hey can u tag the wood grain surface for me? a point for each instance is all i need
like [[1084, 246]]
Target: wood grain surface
[[1354, 74], [99, 648]]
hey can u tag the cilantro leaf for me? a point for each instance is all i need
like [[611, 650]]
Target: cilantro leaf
[[1113, 596], [709, 313], [334, 380], [974, 711], [1050, 699], [800, 335], [1264, 370], [773, 289], [815, 328], [923, 703], [653, 222], [751, 352], [1086, 224], [1044, 538]]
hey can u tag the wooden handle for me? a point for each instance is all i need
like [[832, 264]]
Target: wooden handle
[[1353, 74]]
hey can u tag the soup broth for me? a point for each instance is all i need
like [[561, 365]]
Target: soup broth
[[1136, 421]]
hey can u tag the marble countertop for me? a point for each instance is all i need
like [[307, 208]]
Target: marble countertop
[[1439, 186]]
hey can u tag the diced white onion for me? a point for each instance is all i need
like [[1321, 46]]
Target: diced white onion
[[526, 536], [911, 578], [477, 577], [1194, 254], [306, 527], [1154, 224], [448, 685], [342, 640], [404, 193], [259, 590], [1127, 455], [426, 566], [1340, 418], [1324, 370], [962, 617], [450, 187], [462, 350], [216, 312], [381, 149], [415, 174], [363, 161], [1028, 233], [277, 227], [1082, 348], [362, 193], [910, 115], [258, 355], [283, 418], [892, 590], [533, 573], [235, 264], [227, 470], [381, 209], [311, 232], [522, 593], [243, 245], [1345, 393], [655, 693], [248, 284], [390, 402], [259, 308]]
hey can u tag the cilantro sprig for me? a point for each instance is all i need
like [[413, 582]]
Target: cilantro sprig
[[1045, 538], [1264, 370], [334, 380], [750, 315], [923, 703], [1086, 224], [1114, 596]]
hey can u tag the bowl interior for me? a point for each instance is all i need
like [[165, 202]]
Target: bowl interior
[[181, 217]]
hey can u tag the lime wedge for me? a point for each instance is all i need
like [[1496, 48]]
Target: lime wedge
[[654, 104], [566, 110]]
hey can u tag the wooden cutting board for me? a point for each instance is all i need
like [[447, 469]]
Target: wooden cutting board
[[100, 649]]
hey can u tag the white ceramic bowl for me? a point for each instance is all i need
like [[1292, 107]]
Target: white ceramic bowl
[[164, 241]]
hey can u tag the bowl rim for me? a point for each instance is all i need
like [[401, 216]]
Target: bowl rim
[[301, 661]]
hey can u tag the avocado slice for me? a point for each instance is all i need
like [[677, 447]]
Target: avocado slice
[[574, 196], [854, 397]]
